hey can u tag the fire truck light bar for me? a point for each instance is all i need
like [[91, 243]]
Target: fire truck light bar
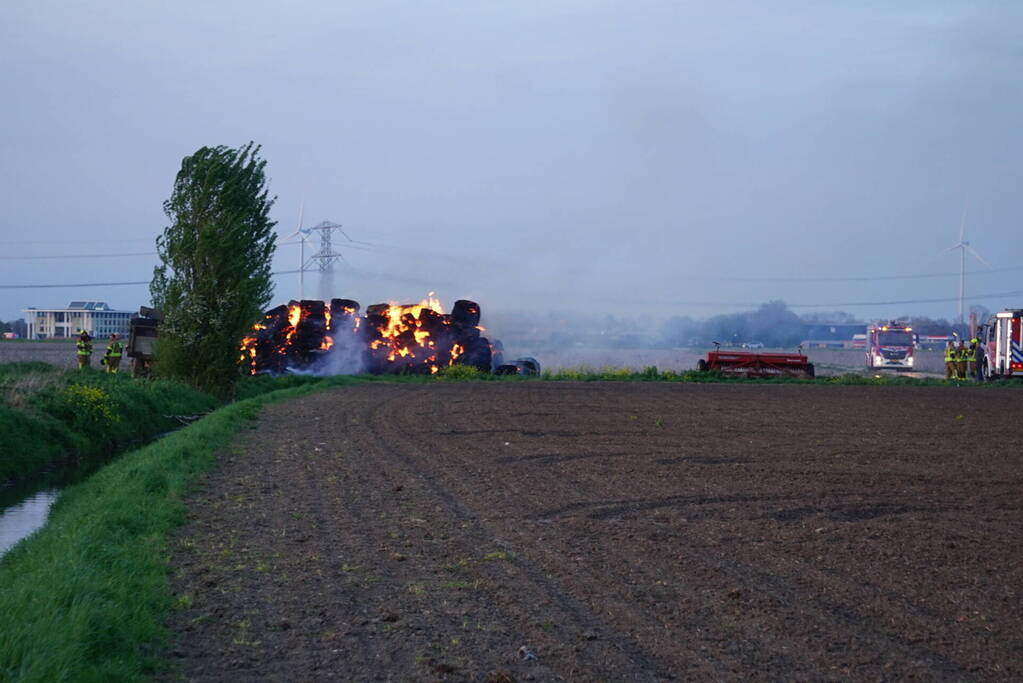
[[1004, 314]]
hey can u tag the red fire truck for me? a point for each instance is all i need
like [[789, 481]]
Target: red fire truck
[[1001, 339], [889, 345]]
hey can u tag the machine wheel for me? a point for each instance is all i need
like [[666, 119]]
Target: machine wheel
[[810, 371], [702, 366]]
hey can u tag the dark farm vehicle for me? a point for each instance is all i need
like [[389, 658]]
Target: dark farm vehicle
[[757, 363], [143, 331]]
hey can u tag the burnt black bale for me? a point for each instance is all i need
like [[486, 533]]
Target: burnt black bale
[[370, 336], [314, 314], [407, 339], [525, 367], [443, 339], [466, 313], [438, 326], [343, 314], [272, 363], [374, 323], [342, 306], [270, 340], [270, 357], [431, 320], [466, 336], [275, 319], [301, 344], [311, 329], [477, 355]]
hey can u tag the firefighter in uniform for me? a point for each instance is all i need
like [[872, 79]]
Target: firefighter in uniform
[[83, 349], [978, 362], [950, 361], [112, 358], [971, 359], [962, 358]]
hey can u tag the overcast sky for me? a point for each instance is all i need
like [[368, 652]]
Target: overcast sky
[[638, 156]]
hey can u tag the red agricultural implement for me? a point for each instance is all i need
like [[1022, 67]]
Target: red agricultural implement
[[757, 364]]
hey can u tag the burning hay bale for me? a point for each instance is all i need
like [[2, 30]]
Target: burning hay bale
[[313, 336]]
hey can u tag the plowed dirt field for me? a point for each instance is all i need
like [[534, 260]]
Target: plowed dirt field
[[610, 531]]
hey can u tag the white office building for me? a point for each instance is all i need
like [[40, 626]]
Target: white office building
[[95, 317]]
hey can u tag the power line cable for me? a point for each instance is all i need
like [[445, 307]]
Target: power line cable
[[722, 304], [355, 244], [995, 295], [75, 256], [864, 278], [107, 284], [81, 241]]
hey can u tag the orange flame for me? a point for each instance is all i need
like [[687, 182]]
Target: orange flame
[[402, 335], [294, 317]]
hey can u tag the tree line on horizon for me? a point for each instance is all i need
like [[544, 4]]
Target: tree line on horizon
[[773, 324]]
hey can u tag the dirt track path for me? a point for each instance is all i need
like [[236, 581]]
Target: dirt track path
[[615, 531]]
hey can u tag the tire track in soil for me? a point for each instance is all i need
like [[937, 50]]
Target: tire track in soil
[[596, 660], [788, 592], [699, 574], [291, 627], [780, 584], [786, 584], [372, 612], [697, 661], [612, 634]]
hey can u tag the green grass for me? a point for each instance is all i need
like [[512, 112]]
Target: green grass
[[50, 416], [462, 373], [250, 386], [84, 599]]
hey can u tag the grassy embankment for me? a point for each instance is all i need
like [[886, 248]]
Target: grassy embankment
[[51, 417], [85, 598]]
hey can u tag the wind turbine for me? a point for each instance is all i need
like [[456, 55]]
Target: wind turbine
[[301, 235], [963, 246]]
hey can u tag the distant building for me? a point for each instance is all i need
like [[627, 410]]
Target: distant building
[[95, 317]]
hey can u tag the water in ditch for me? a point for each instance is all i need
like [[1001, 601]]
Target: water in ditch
[[25, 506], [25, 517]]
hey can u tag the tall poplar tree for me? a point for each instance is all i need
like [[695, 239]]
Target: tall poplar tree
[[214, 281]]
